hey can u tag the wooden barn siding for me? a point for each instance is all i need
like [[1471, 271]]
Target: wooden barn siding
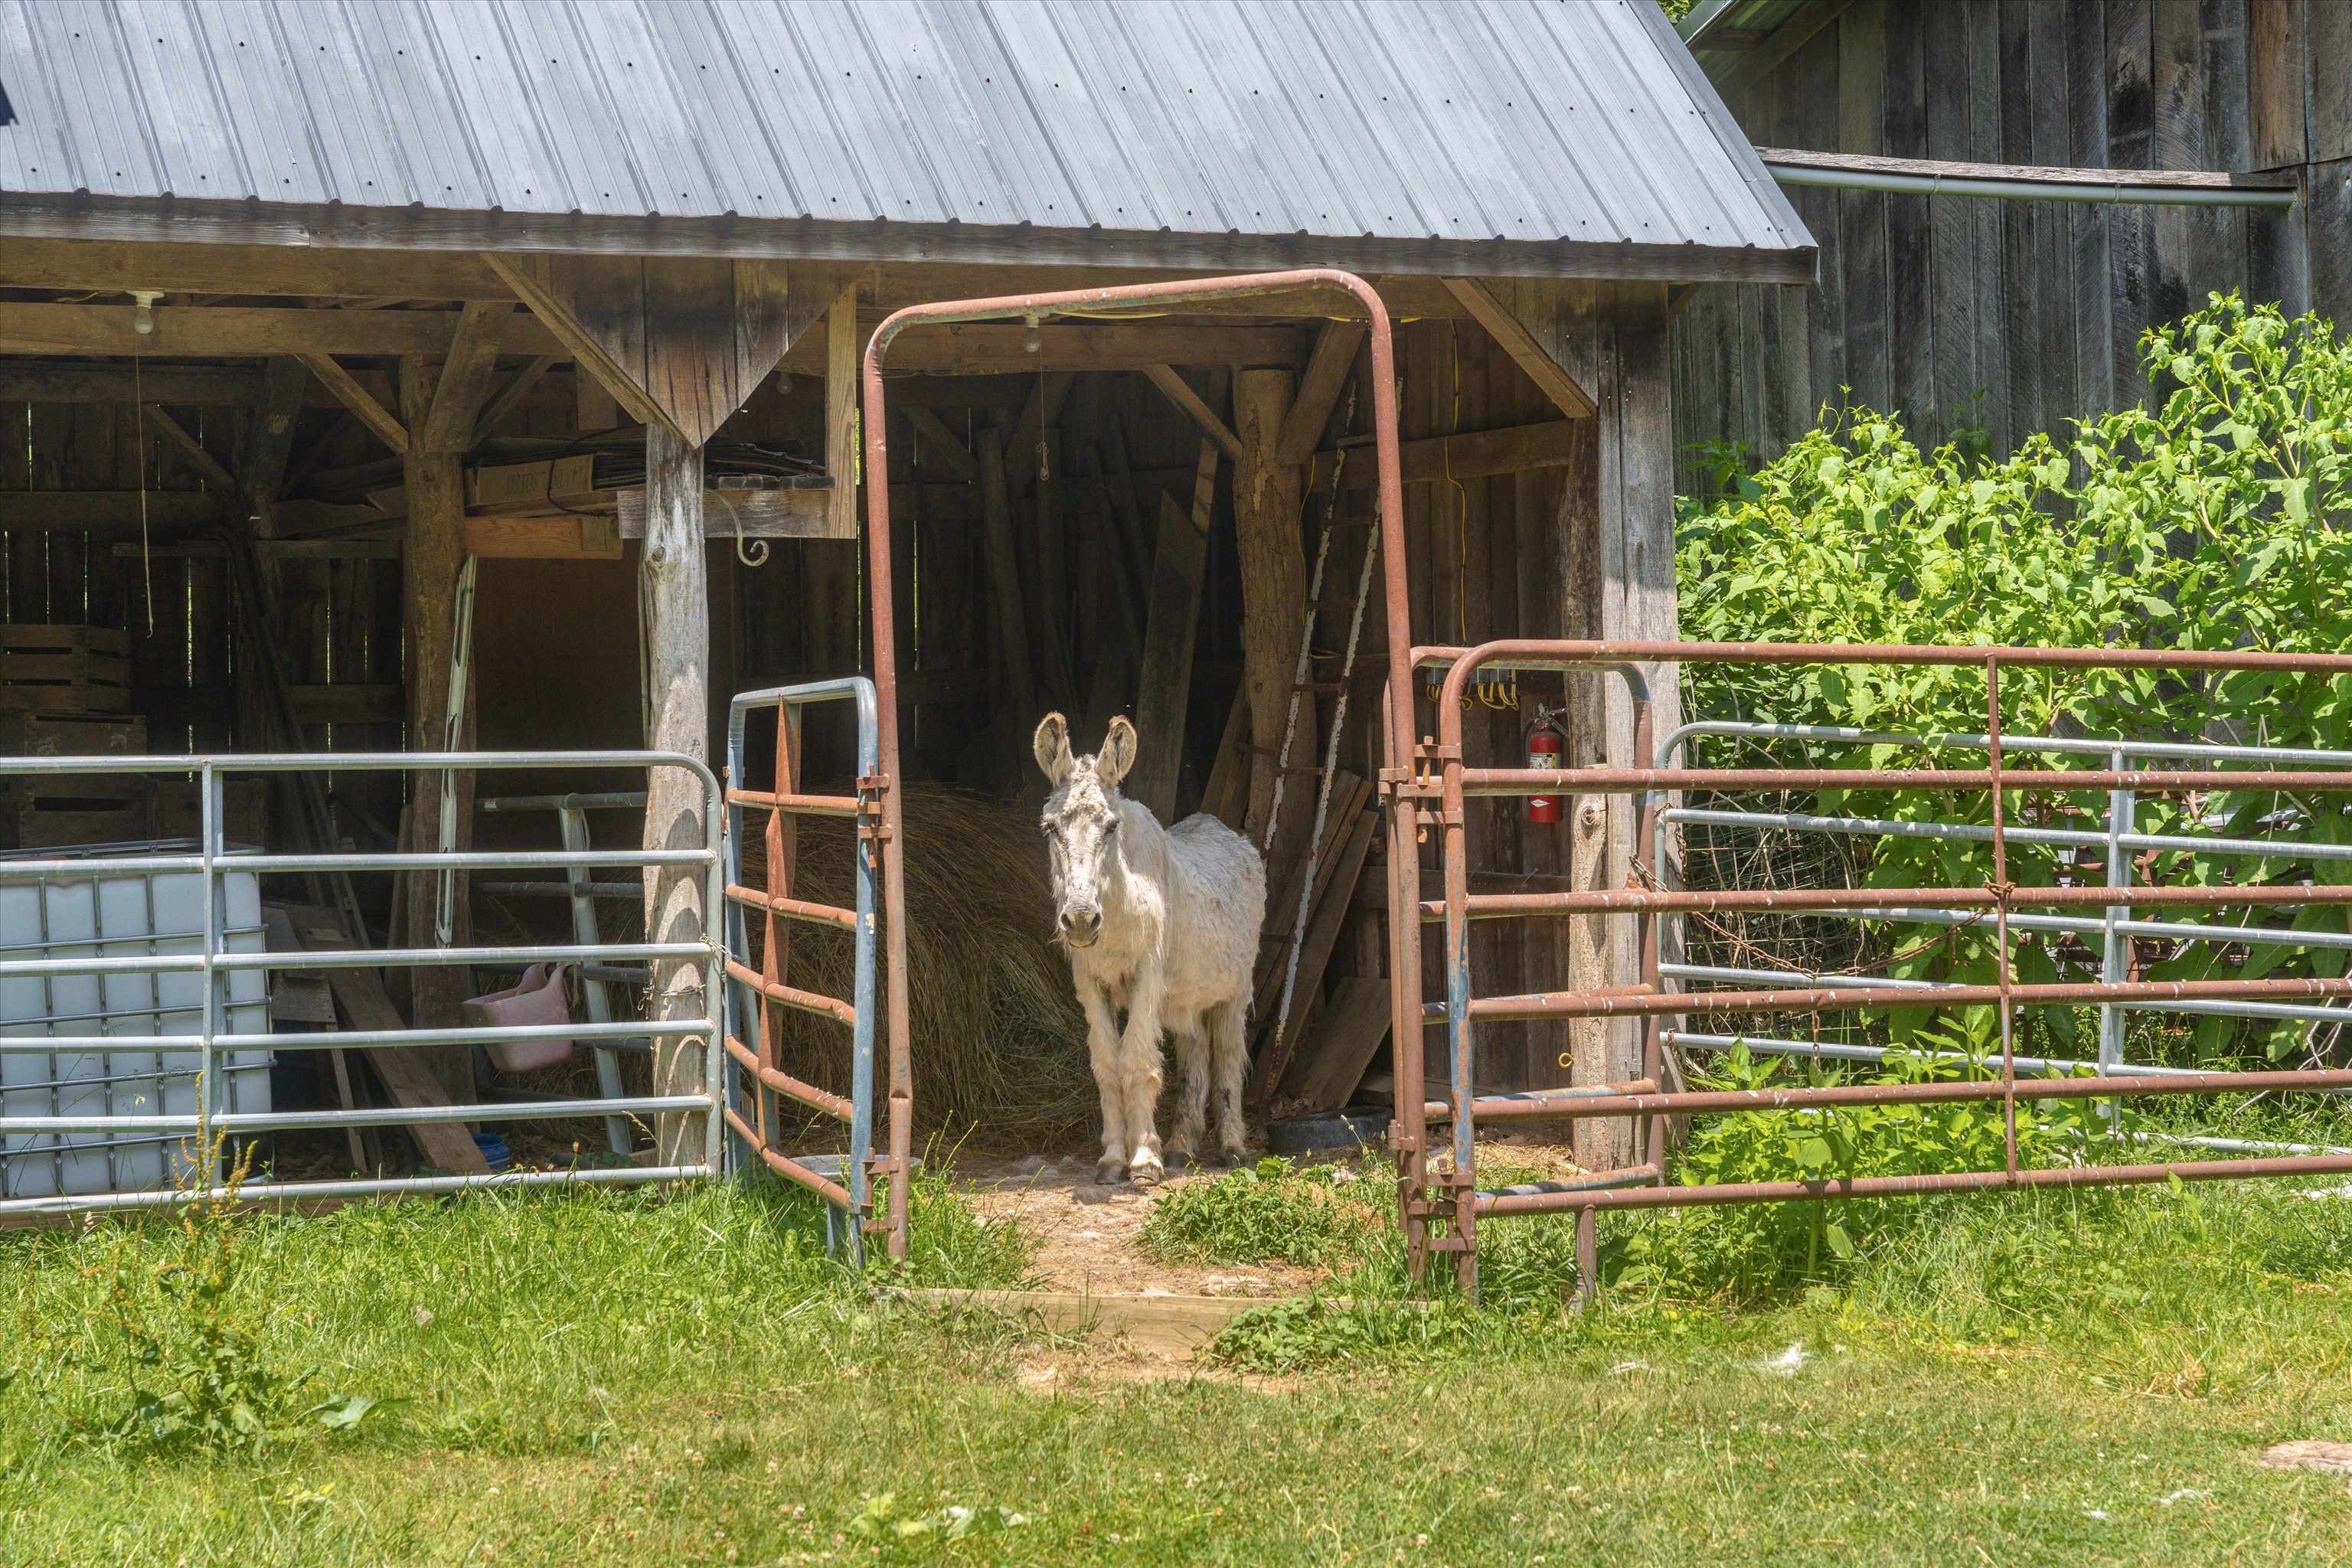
[[2018, 316]]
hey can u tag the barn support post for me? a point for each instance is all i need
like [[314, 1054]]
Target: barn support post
[[1267, 497], [676, 604], [433, 551]]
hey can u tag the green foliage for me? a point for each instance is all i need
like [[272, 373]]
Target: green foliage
[[1274, 1211], [2213, 519], [1754, 1252], [192, 1342]]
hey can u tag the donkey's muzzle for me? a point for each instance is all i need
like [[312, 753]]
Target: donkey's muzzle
[[1081, 928]]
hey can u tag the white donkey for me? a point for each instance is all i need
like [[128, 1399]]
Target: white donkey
[[1162, 923]]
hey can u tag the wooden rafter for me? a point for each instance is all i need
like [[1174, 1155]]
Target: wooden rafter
[[171, 430], [1533, 345], [1318, 392], [466, 377], [355, 398], [1179, 392], [509, 397], [530, 278]]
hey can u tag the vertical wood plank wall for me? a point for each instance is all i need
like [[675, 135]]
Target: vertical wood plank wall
[[2012, 316]]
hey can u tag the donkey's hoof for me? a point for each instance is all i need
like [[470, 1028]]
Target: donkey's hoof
[[1178, 1159], [1109, 1174], [1147, 1171], [1226, 1159]]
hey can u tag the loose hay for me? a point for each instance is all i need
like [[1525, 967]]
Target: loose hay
[[999, 1044]]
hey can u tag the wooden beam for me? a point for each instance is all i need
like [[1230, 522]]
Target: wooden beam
[[841, 412], [674, 574], [1179, 392], [269, 550], [1474, 455], [355, 398], [110, 511], [466, 377], [543, 538], [190, 448], [936, 440], [247, 269], [268, 442], [2029, 174], [1318, 392], [529, 277], [1006, 572], [228, 331], [1273, 598], [433, 552], [1164, 686], [243, 270], [360, 994], [508, 398], [1535, 346], [79, 381]]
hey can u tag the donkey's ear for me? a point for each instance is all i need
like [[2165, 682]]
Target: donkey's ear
[[1117, 753], [1053, 748]]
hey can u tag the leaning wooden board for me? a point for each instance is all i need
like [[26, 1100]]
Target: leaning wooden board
[[360, 994]]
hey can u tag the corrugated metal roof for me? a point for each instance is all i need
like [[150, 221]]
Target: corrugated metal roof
[[1529, 123]]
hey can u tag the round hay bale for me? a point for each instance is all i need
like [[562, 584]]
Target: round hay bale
[[999, 1045]]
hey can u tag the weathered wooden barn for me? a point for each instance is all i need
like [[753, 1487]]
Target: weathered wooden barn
[[2014, 315], [362, 292]]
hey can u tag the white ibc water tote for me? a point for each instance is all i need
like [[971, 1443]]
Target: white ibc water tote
[[100, 913]]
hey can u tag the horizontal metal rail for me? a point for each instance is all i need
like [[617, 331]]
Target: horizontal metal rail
[[793, 909], [1844, 1051], [782, 1082], [266, 1191], [205, 956]]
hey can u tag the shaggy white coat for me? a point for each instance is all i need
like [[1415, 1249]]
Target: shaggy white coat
[[1162, 924]]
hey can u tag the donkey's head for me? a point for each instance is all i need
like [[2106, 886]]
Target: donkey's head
[[1081, 822]]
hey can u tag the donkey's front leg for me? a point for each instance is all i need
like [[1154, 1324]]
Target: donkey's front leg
[[1141, 1073], [1103, 1053]]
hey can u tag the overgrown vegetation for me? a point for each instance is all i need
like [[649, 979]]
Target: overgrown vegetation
[[2212, 519]]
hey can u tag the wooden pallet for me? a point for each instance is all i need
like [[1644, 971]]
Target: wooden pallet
[[64, 669], [73, 735]]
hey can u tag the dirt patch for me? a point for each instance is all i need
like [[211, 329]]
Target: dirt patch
[[1088, 1236]]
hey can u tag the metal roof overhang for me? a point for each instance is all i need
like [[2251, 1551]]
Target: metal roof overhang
[[340, 226]]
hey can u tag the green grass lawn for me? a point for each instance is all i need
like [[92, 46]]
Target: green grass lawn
[[616, 1378]]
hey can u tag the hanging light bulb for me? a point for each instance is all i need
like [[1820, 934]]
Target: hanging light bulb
[[143, 321], [1033, 340]]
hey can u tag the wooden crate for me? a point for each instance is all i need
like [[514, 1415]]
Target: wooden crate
[[73, 735], [244, 810], [64, 669], [54, 812]]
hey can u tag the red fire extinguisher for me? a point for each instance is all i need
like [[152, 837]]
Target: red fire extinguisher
[[1546, 744]]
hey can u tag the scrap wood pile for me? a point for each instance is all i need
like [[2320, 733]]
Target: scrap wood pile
[[1000, 1046]]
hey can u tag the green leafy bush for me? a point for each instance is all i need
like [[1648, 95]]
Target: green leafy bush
[[1751, 1252], [2212, 519]]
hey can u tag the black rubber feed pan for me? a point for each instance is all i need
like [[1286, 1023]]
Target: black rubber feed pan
[[1359, 1126]]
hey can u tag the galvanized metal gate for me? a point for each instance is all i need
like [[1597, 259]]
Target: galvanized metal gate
[[133, 1043], [844, 1178]]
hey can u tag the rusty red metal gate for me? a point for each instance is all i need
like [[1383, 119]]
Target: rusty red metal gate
[[1430, 783], [1426, 782]]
